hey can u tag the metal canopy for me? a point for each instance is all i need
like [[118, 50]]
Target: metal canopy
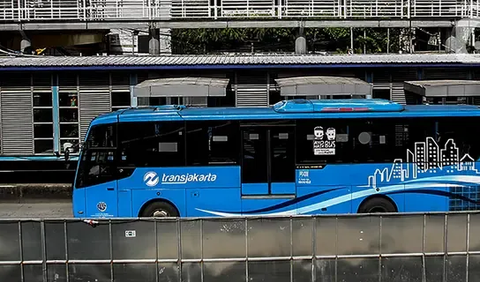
[[182, 87], [444, 88], [323, 85]]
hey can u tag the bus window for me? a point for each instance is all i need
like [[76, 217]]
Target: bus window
[[212, 142], [463, 131], [282, 146], [372, 140], [97, 164], [323, 141], [384, 140], [102, 136], [152, 144]]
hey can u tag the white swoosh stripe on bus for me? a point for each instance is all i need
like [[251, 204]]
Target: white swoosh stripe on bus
[[344, 198]]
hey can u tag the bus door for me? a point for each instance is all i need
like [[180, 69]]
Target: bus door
[[268, 160]]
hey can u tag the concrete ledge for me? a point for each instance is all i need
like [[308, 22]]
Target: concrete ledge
[[21, 192]]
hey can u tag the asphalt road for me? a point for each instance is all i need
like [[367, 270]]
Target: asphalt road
[[36, 209]]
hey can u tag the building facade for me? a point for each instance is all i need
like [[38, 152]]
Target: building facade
[[46, 103]]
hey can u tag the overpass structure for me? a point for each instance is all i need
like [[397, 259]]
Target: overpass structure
[[106, 14]]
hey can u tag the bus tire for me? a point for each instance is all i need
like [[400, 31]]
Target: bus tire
[[377, 205], [159, 209]]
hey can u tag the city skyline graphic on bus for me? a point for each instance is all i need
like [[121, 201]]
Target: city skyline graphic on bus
[[426, 159]]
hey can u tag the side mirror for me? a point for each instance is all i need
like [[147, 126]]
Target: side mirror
[[67, 154], [66, 148]]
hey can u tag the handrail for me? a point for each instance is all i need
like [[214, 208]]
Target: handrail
[[104, 10]]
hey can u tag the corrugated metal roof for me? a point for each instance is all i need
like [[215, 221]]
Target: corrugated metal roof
[[232, 60], [444, 88], [324, 80], [182, 87], [442, 82], [323, 85]]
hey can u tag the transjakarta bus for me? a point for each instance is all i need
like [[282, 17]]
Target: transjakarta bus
[[297, 157]]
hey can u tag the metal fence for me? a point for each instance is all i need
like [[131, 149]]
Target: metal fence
[[416, 247], [100, 10]]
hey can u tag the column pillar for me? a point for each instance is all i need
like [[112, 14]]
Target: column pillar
[[154, 41], [301, 42]]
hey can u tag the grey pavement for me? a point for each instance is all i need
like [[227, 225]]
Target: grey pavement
[[57, 208]]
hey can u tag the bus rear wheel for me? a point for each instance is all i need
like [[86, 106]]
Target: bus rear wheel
[[159, 209], [377, 205]]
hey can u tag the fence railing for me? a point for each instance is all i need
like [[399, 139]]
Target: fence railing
[[103, 10], [408, 247]]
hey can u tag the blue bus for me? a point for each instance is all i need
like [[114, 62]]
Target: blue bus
[[294, 158]]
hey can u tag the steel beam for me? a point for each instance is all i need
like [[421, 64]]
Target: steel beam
[[224, 24]]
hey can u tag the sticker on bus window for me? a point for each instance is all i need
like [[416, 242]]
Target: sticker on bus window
[[324, 142]]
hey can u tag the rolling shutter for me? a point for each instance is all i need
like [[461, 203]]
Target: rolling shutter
[[252, 90], [92, 104], [94, 98], [17, 119]]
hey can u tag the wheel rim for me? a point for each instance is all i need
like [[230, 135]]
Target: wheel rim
[[160, 213]]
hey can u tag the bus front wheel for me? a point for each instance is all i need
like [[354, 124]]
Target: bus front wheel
[[377, 205], [159, 209]]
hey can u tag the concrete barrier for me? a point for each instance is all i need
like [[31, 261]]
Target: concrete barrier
[[394, 247]]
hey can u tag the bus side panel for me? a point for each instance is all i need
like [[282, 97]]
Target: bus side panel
[[324, 191], [213, 201], [429, 200], [267, 206], [79, 202], [125, 203], [175, 196], [372, 179], [174, 184], [332, 199]]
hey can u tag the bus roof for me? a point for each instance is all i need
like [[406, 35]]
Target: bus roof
[[297, 109]]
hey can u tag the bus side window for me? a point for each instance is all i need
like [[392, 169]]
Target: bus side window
[[212, 142], [152, 144], [373, 140], [322, 141], [463, 132], [103, 135], [411, 131]]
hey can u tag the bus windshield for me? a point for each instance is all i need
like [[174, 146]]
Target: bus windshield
[[97, 160]]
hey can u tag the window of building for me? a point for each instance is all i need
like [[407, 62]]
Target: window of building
[[152, 144], [68, 118], [212, 142], [120, 99], [381, 94], [43, 122]]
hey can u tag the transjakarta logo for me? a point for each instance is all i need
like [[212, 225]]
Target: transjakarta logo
[[151, 178]]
